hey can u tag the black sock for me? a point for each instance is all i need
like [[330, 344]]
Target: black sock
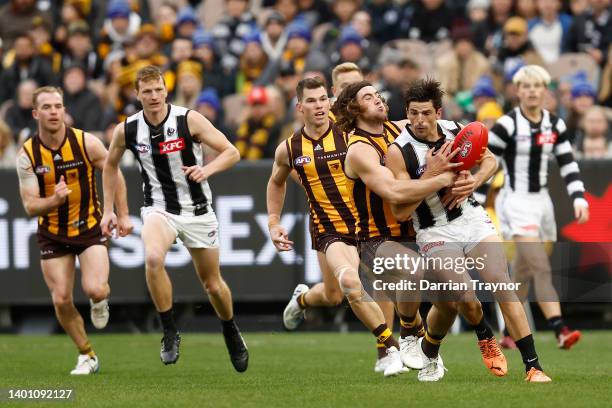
[[556, 323], [167, 321], [431, 344], [483, 330], [228, 325], [506, 332], [527, 348]]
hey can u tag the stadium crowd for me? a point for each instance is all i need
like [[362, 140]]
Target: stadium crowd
[[238, 61]]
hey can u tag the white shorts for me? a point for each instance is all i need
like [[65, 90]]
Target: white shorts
[[194, 231], [526, 214], [461, 234]]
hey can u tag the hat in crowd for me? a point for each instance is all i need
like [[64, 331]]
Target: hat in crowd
[[209, 96], [253, 36], [257, 95], [187, 15], [461, 32], [78, 27], [118, 8], [299, 30], [511, 67], [286, 68], [39, 21], [349, 35], [489, 110], [202, 38], [189, 67], [473, 4], [147, 29], [484, 88], [516, 25], [583, 88], [276, 17], [75, 65]]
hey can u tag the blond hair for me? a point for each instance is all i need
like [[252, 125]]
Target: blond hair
[[46, 89], [343, 69], [148, 73], [531, 72]]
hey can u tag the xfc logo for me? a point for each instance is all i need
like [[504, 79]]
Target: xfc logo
[[172, 146]]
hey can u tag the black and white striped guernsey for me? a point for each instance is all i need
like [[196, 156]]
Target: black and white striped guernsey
[[526, 147], [161, 152], [430, 212]]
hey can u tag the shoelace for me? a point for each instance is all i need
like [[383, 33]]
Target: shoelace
[[489, 348]]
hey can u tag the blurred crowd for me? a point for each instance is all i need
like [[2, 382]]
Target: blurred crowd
[[238, 62]]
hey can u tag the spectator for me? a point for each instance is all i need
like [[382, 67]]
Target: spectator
[[8, 150], [578, 7], [189, 83], [583, 97], [362, 22], [483, 92], [186, 22], [289, 9], [19, 115], [26, 65], [274, 37], [526, 9], [71, 12], [165, 21], [252, 63], [228, 33], [432, 21], [488, 33], [181, 50], [459, 69], [17, 17], [287, 81], [80, 51], [209, 105], [488, 113], [83, 107], [605, 92], [385, 18], [314, 12], [258, 135], [595, 143], [343, 13], [41, 35], [120, 26], [591, 31], [547, 32], [516, 48], [351, 48], [205, 52]]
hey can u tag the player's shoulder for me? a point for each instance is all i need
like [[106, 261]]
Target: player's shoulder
[[506, 123], [177, 110], [403, 138], [134, 117]]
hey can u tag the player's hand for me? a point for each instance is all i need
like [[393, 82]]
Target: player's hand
[[581, 213], [463, 187], [195, 173], [440, 161], [108, 223], [280, 238], [61, 191], [124, 226]]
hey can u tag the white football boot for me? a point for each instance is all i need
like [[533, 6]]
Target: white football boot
[[294, 314], [86, 365], [410, 352], [395, 365], [434, 367], [99, 313]]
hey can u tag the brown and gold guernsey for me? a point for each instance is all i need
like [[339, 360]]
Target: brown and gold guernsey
[[79, 216], [320, 167], [374, 216]]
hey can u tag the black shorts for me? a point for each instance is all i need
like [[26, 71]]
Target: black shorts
[[55, 247], [322, 241]]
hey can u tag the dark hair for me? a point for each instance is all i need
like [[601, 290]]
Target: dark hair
[[424, 90], [346, 108], [308, 83]]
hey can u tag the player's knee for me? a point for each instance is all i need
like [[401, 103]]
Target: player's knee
[[471, 310], [62, 299], [334, 297], [97, 293], [213, 287], [154, 261]]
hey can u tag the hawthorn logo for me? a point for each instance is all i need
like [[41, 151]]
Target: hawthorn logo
[[466, 149], [172, 146], [302, 160]]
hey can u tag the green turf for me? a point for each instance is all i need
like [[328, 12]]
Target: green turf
[[317, 370]]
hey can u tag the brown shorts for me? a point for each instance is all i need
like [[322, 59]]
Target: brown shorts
[[54, 247], [322, 241]]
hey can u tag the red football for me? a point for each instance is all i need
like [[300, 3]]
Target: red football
[[472, 141]]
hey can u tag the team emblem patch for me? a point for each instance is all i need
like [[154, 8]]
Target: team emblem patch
[[143, 148], [466, 149], [302, 160], [420, 170], [172, 146], [42, 169], [171, 131]]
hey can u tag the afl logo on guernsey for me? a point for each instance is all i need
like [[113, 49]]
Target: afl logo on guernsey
[[302, 160], [143, 148]]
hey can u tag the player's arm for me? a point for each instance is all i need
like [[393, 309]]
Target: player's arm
[[114, 188], [466, 183], [33, 203], [275, 198], [204, 132], [394, 161], [362, 161]]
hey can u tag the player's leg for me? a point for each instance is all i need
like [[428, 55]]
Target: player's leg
[[206, 262], [157, 237], [491, 252], [531, 255], [59, 275], [94, 280], [343, 259]]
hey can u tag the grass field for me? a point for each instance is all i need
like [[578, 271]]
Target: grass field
[[300, 369]]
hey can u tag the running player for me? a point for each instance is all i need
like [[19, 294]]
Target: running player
[[56, 169], [361, 110], [167, 142], [451, 225], [524, 140]]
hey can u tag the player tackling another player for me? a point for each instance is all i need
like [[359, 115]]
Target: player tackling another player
[[56, 169], [523, 141], [167, 142]]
